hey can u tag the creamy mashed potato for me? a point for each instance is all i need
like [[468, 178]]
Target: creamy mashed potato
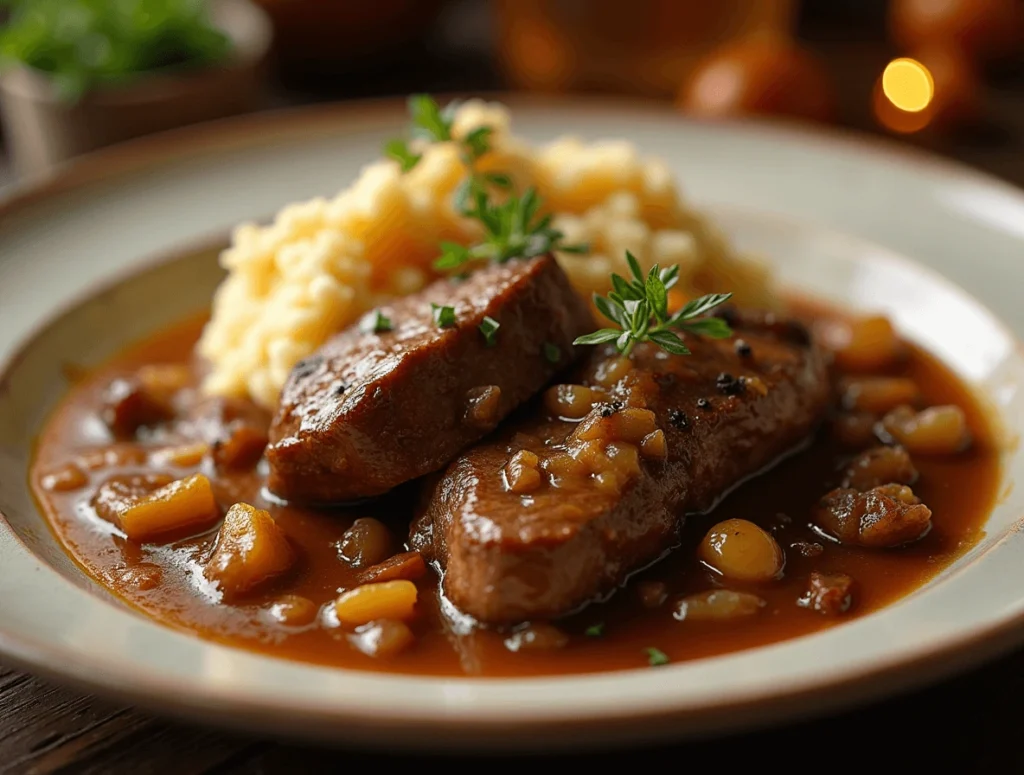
[[321, 264]]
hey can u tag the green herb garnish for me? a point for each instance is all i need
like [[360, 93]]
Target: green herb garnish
[[594, 630], [444, 316], [512, 230], [399, 151], [656, 657], [83, 44], [552, 352], [513, 227], [375, 323], [429, 120], [640, 309], [489, 328]]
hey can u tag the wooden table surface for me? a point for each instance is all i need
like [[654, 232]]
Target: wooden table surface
[[969, 724]]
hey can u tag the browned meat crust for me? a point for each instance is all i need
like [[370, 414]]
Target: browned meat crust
[[372, 410], [518, 547]]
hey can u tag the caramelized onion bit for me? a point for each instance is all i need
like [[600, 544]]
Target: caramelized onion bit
[[869, 344], [294, 610], [717, 605], [382, 600], [251, 549], [522, 472], [742, 551], [886, 516], [67, 478], [537, 637], [938, 430], [175, 507], [382, 638], [367, 542], [570, 402], [881, 465], [654, 445], [878, 395], [828, 593], [483, 406], [407, 565]]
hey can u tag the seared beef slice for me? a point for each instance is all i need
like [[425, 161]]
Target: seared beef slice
[[551, 514], [372, 410]]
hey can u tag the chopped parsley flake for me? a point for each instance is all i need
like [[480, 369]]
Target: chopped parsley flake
[[375, 323], [656, 657], [594, 630], [444, 316], [489, 328]]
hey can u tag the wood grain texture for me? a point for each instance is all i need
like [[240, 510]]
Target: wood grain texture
[[970, 724]]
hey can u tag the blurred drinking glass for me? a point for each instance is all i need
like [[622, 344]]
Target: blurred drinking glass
[[646, 47]]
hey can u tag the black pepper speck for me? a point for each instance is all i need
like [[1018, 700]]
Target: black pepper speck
[[306, 366], [679, 420], [703, 403], [341, 388], [730, 385], [743, 348]]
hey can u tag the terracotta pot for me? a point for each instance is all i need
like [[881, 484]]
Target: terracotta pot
[[42, 130]]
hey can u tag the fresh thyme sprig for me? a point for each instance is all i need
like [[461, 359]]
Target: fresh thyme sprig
[[512, 228], [640, 309]]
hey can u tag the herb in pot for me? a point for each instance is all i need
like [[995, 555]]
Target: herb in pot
[[83, 44]]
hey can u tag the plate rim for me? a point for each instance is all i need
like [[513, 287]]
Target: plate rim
[[134, 157]]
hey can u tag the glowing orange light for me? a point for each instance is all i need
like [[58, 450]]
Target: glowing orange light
[[908, 85]]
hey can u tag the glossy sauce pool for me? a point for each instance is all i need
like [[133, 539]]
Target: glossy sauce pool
[[960, 490]]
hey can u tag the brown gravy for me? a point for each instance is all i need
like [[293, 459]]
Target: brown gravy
[[164, 581]]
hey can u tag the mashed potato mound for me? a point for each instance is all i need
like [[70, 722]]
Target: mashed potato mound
[[323, 263]]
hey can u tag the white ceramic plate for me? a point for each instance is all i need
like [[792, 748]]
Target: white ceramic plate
[[863, 223]]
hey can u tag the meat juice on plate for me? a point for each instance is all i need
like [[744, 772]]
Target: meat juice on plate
[[697, 601]]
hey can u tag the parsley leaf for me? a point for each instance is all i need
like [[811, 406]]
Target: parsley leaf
[[639, 307], [429, 121], [594, 630], [375, 323], [489, 328], [656, 657], [399, 151], [444, 316]]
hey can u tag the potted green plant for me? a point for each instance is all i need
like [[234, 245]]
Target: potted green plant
[[76, 75]]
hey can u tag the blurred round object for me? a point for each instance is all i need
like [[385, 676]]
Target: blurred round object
[[537, 54], [908, 84], [956, 98], [983, 29], [760, 75]]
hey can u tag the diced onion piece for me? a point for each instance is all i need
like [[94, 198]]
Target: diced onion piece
[[938, 430], [180, 505], [866, 345], [717, 605], [382, 639], [878, 395], [251, 548], [383, 600], [742, 551]]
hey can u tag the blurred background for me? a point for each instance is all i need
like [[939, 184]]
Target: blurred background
[[944, 74]]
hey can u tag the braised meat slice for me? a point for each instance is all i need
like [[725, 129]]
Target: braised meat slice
[[553, 513], [373, 409]]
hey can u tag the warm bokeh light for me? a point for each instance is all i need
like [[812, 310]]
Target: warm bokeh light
[[908, 85]]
